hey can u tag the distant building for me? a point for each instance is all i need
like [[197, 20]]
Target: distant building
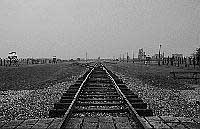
[[177, 55], [71, 60], [156, 56], [141, 54], [54, 59], [78, 59], [12, 55]]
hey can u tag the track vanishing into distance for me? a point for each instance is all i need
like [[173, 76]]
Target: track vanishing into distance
[[100, 100]]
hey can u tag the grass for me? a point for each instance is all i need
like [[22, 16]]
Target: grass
[[36, 76], [154, 84], [153, 74]]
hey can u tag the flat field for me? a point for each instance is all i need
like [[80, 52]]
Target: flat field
[[155, 86], [36, 76], [155, 75], [31, 91]]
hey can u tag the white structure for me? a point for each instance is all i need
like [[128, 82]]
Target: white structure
[[12, 55], [141, 54]]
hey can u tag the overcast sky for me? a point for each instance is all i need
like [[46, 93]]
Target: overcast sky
[[105, 28]]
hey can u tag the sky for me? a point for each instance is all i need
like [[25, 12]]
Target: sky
[[105, 28]]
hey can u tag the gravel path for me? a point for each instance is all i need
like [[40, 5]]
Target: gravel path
[[178, 103], [27, 104]]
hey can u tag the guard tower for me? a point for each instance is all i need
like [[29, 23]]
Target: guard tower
[[12, 55], [54, 59]]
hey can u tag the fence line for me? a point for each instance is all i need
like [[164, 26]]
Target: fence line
[[7, 62], [170, 61]]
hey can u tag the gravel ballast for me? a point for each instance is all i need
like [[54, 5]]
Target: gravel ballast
[[164, 101], [35, 103], [30, 104]]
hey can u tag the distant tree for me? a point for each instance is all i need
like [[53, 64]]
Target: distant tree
[[198, 56], [197, 52]]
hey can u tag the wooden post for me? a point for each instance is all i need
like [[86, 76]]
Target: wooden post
[[185, 61], [10, 62], [190, 61], [178, 61], [159, 55], [194, 63], [182, 60], [163, 61], [127, 57], [168, 60], [86, 56]]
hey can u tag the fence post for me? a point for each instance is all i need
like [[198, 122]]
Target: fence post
[[194, 62], [178, 61], [163, 61], [185, 60], [190, 60], [172, 63], [168, 60]]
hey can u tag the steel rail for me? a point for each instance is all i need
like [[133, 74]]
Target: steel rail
[[133, 111], [68, 112]]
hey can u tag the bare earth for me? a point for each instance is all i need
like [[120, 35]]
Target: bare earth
[[24, 101], [25, 95], [163, 94]]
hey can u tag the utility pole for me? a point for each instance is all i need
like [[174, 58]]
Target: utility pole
[[86, 56], [127, 57], [159, 55], [123, 57], [133, 56], [163, 60]]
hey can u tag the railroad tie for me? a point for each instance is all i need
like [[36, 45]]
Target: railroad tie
[[99, 99]]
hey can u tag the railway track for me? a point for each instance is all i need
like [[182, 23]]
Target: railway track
[[100, 100]]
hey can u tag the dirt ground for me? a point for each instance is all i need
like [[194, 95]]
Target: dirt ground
[[155, 75], [156, 87], [31, 91], [36, 76]]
